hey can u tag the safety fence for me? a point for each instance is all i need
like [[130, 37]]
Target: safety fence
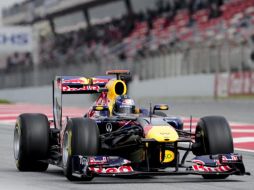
[[168, 62]]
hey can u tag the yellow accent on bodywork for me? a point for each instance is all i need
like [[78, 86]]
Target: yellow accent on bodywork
[[162, 134], [86, 81], [112, 95], [69, 142], [164, 107], [137, 111], [169, 156], [98, 108]]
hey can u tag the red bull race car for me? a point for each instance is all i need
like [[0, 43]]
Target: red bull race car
[[116, 138]]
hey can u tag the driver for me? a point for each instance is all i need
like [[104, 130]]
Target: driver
[[124, 105]]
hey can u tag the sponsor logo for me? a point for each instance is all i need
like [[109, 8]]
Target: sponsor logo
[[109, 127], [77, 81], [99, 81], [73, 81], [121, 169], [232, 158], [202, 168], [163, 133], [169, 156], [84, 88], [128, 102], [98, 160], [14, 39]]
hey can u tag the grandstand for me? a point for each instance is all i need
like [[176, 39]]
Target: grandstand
[[152, 38]]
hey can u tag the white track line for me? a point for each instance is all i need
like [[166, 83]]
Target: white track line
[[243, 139], [242, 130], [243, 149]]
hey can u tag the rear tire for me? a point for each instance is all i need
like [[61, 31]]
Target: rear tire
[[31, 142], [213, 136], [81, 138]]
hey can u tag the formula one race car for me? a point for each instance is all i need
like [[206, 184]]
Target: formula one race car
[[115, 138]]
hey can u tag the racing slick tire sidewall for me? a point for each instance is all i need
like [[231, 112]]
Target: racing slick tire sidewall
[[213, 136], [31, 142], [81, 137]]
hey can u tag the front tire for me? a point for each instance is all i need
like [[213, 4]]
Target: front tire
[[31, 142], [81, 138], [213, 136]]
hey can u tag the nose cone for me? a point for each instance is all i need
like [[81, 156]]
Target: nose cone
[[162, 134]]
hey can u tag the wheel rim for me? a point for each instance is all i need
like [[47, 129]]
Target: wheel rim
[[16, 144], [65, 149]]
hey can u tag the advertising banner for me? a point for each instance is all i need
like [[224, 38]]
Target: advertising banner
[[16, 39], [236, 83]]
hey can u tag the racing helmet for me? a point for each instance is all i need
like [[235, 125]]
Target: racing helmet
[[124, 105]]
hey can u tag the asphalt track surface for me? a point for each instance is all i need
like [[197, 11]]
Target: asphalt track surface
[[241, 111]]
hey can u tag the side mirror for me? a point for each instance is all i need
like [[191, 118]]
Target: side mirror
[[160, 107], [100, 108]]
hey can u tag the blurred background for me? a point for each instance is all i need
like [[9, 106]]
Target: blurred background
[[201, 48]]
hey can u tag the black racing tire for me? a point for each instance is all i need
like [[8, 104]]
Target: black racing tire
[[213, 136], [31, 142], [81, 137], [160, 113]]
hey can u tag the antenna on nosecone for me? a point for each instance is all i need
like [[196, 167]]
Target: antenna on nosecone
[[150, 115]]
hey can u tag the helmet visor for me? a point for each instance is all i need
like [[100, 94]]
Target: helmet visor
[[126, 109]]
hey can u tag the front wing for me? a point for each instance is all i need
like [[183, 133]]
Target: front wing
[[108, 166]]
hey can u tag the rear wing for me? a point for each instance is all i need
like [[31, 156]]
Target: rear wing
[[80, 85], [75, 85]]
